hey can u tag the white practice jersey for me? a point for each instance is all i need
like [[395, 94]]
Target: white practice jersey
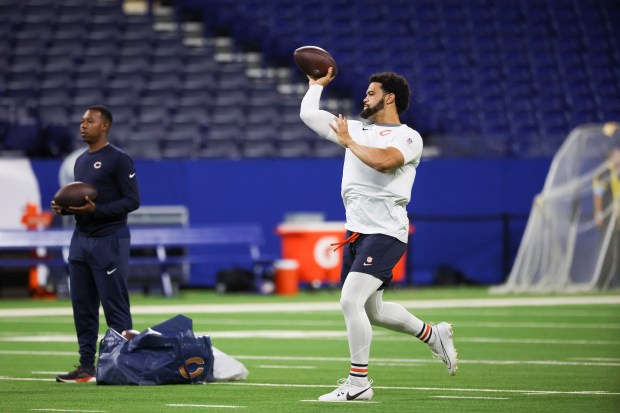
[[375, 202]]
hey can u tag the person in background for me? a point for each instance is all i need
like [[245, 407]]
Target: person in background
[[606, 199], [380, 164], [99, 249]]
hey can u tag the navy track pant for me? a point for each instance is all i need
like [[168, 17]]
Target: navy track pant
[[98, 270]]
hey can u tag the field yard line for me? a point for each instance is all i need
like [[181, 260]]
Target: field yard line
[[376, 361], [496, 340], [24, 379], [545, 325], [380, 335], [343, 401], [212, 406], [469, 397], [36, 353], [67, 410], [48, 372], [442, 389], [312, 307]]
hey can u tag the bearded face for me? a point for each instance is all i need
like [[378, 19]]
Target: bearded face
[[369, 111]]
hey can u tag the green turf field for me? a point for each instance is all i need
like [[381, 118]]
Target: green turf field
[[533, 356]]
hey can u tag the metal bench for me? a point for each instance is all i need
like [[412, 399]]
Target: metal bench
[[248, 236]]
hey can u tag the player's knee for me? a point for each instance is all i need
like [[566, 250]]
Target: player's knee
[[348, 304]]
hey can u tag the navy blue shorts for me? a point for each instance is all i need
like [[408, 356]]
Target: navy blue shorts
[[373, 254]]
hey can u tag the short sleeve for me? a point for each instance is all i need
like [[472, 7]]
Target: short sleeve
[[410, 145]]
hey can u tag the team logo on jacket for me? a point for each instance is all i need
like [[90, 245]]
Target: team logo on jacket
[[199, 362], [97, 165]]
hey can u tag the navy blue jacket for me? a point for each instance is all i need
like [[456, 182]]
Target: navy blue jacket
[[112, 173]]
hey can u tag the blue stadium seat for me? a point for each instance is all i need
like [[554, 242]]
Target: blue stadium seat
[[296, 149], [23, 137], [176, 144], [326, 149], [260, 133], [230, 97], [226, 132], [222, 115], [190, 117], [224, 149], [552, 60], [142, 149], [263, 115], [258, 149], [296, 131]]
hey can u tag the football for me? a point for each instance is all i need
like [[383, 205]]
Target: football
[[314, 61], [73, 194]]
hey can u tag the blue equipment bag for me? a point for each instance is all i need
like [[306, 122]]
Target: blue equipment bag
[[167, 353]]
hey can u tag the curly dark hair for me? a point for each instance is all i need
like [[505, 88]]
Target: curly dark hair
[[393, 83]]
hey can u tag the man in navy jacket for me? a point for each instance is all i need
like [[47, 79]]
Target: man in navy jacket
[[99, 250]]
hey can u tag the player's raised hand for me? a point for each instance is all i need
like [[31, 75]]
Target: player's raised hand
[[323, 81], [341, 127]]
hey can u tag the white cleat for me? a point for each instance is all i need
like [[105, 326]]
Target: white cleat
[[443, 349], [347, 391]]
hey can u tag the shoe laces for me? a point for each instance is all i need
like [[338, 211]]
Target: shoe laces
[[436, 354], [345, 384]]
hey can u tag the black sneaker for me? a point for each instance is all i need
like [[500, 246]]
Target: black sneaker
[[82, 374]]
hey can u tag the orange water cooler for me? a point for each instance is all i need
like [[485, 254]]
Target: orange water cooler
[[309, 245]]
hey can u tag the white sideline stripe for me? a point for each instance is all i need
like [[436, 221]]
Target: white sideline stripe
[[376, 362], [469, 397], [36, 353], [403, 362], [546, 326], [267, 334], [286, 367], [442, 389], [495, 340], [47, 372], [321, 334], [213, 406], [24, 379], [342, 401], [312, 307], [66, 410]]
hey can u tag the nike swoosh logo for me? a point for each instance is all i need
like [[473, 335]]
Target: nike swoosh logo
[[132, 175], [355, 396], [445, 354], [367, 265], [111, 271]]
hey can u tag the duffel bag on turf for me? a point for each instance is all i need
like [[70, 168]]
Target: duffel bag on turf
[[167, 353]]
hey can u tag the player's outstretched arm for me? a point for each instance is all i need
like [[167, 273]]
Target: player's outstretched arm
[[316, 119]]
